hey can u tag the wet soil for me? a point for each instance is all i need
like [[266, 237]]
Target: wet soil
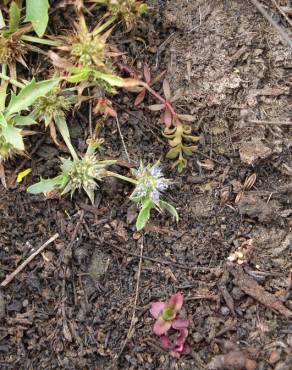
[[230, 254]]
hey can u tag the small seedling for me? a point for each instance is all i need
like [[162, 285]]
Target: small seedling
[[167, 315], [127, 10], [11, 119], [76, 174], [15, 41]]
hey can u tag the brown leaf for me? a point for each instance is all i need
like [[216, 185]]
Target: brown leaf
[[187, 117], [58, 61], [234, 360]]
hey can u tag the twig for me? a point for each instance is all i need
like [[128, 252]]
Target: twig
[[133, 320], [282, 12], [122, 138], [264, 122], [279, 29], [11, 276]]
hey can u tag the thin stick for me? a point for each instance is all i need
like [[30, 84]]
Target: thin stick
[[282, 12], [133, 320], [279, 29], [122, 138], [11, 276], [263, 122]]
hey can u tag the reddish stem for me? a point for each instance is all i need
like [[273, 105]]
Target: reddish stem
[[159, 97]]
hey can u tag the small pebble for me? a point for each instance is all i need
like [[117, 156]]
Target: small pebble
[[224, 310]]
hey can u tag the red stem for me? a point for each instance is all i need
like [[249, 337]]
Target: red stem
[[159, 97]]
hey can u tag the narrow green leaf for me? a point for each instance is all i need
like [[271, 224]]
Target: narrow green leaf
[[47, 185], [144, 215], [37, 12], [169, 208], [78, 76], [64, 131], [3, 122], [13, 136], [110, 79], [14, 17], [29, 94]]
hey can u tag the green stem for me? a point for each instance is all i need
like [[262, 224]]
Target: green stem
[[121, 177], [12, 81]]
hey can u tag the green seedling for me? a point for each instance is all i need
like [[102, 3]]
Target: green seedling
[[76, 174], [15, 41], [52, 109], [177, 135], [12, 120], [36, 13], [176, 130], [86, 58], [126, 10]]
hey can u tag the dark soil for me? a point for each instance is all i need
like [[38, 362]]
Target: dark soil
[[72, 306]]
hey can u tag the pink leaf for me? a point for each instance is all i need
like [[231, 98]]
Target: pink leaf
[[156, 309], [161, 326], [167, 118], [147, 73], [180, 341], [165, 342], [180, 324], [140, 98], [177, 301]]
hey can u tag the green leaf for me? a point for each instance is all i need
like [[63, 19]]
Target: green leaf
[[170, 209], [14, 17], [3, 121], [144, 214], [78, 75], [37, 12], [173, 153], [45, 186], [109, 78], [24, 120], [13, 136], [64, 131], [29, 94]]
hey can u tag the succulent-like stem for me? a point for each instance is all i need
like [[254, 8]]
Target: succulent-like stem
[[121, 177]]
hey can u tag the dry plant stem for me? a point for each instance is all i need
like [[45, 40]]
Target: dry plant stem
[[279, 29], [122, 138], [282, 12], [11, 276], [279, 123], [131, 328], [159, 97]]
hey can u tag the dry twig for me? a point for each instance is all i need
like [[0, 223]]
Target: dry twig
[[11, 276]]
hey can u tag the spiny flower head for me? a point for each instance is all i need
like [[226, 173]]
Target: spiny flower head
[[83, 173], [53, 105], [150, 183], [11, 50]]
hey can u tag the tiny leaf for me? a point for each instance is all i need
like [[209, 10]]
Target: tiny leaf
[[45, 186], [144, 215], [169, 208]]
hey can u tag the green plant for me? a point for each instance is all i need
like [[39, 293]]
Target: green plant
[[127, 10], [12, 120], [86, 57], [150, 183], [76, 174], [15, 41], [176, 130]]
